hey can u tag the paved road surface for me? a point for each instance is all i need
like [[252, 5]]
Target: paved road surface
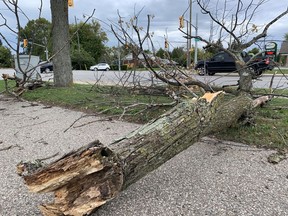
[[145, 78]]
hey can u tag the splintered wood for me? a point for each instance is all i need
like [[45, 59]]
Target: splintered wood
[[81, 180]]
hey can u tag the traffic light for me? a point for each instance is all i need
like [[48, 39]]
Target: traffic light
[[181, 22], [166, 44], [25, 43], [70, 3]]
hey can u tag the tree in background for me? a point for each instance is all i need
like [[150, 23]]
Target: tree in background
[[254, 51], [91, 39], [179, 55], [286, 37], [161, 53], [87, 46], [5, 56], [38, 32], [80, 59], [112, 57], [283, 59]]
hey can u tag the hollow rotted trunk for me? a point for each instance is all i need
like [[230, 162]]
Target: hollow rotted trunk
[[90, 176]]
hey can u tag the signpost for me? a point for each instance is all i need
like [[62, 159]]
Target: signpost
[[271, 49]]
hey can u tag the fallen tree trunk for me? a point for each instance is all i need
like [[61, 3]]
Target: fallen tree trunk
[[89, 177]]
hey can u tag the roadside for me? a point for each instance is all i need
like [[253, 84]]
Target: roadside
[[211, 177]]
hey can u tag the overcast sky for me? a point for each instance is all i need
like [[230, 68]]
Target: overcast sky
[[165, 23]]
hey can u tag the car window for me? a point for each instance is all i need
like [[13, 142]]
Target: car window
[[228, 57], [219, 57]]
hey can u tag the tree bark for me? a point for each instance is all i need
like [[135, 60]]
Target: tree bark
[[90, 176], [62, 68]]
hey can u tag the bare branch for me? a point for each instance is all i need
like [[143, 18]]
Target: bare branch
[[265, 30]]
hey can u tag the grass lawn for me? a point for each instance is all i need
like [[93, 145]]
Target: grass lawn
[[108, 100], [278, 71]]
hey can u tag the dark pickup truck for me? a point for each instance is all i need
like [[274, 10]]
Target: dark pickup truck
[[222, 63]]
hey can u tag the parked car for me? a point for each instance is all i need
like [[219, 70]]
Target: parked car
[[223, 62], [47, 67], [100, 66]]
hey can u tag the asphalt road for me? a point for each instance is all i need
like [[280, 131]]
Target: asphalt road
[[145, 78]]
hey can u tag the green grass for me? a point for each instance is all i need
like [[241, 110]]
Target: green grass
[[282, 71], [269, 128], [108, 100]]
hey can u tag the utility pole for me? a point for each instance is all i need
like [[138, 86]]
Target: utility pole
[[119, 57], [187, 53], [211, 31], [119, 48], [189, 36], [196, 41], [77, 34], [231, 29], [46, 49]]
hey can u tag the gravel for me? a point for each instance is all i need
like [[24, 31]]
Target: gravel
[[211, 177]]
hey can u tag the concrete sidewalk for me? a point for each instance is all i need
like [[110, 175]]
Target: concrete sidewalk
[[209, 178]]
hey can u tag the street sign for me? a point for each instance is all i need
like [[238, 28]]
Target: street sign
[[270, 46], [271, 49]]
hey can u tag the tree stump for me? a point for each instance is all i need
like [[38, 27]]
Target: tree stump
[[90, 176]]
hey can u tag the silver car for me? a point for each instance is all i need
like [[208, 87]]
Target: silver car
[[100, 66]]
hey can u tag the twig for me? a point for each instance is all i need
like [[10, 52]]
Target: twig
[[9, 147], [148, 106], [183, 85], [47, 158], [85, 116], [91, 122]]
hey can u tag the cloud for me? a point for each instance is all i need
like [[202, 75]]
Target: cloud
[[166, 21]]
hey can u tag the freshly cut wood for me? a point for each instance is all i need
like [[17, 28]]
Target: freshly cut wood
[[92, 175]]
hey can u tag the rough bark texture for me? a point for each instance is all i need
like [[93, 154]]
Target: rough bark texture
[[245, 81], [153, 144], [86, 179], [63, 76]]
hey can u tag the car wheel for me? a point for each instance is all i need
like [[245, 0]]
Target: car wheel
[[201, 70], [95, 69], [47, 70], [107, 69]]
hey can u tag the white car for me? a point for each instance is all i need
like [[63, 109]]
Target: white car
[[100, 66]]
